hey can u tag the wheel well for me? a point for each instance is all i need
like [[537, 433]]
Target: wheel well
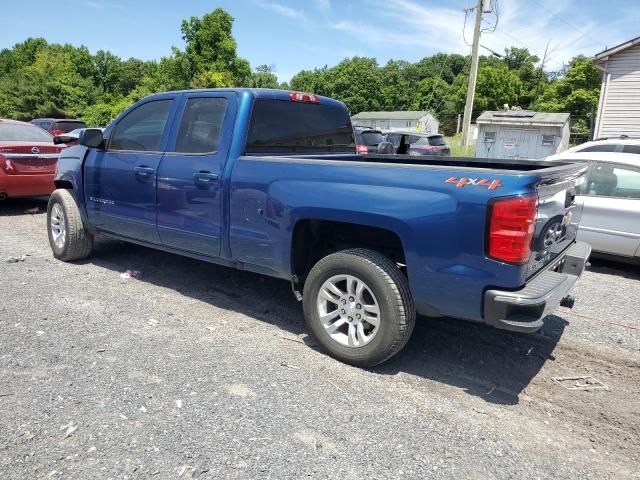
[[63, 184], [315, 239]]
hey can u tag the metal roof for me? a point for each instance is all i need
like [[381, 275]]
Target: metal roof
[[523, 117], [618, 48], [409, 115]]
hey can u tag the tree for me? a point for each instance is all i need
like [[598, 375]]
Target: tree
[[576, 92], [311, 81], [496, 86], [211, 51], [264, 77]]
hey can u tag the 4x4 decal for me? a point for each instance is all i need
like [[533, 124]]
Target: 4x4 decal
[[476, 182]]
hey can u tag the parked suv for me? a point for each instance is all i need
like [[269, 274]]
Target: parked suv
[[414, 143], [57, 126], [367, 139]]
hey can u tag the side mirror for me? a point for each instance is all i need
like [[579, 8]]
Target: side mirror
[[60, 139], [91, 137]]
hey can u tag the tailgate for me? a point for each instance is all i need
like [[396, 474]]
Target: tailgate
[[558, 214]]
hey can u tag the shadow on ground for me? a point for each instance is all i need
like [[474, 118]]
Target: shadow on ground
[[485, 362], [14, 207], [491, 364]]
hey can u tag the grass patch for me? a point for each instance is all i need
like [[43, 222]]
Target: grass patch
[[458, 150]]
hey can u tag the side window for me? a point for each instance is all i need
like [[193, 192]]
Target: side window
[[548, 140], [606, 147], [141, 130], [608, 180], [489, 137], [631, 149], [201, 125]]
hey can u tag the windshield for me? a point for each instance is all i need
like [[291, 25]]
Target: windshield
[[15, 132]]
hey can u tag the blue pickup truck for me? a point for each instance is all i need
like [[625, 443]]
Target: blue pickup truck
[[270, 181]]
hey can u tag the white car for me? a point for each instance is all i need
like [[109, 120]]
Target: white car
[[621, 144], [611, 202]]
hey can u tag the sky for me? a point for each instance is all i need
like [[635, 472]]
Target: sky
[[293, 35]]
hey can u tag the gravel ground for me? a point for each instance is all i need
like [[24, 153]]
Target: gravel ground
[[197, 371]]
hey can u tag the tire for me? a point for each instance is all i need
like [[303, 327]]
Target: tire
[[384, 285], [68, 236]]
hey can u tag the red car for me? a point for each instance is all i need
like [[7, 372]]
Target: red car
[[28, 160], [58, 126]]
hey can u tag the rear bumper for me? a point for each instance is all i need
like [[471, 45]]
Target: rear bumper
[[524, 310], [26, 185]]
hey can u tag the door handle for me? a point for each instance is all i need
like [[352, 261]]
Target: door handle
[[205, 177], [144, 171]]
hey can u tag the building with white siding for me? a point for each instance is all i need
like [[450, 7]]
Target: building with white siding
[[619, 105], [418, 121]]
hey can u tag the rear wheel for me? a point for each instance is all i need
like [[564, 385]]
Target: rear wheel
[[358, 305], [68, 236]]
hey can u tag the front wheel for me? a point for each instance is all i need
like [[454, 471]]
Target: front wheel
[[358, 305], [68, 236]]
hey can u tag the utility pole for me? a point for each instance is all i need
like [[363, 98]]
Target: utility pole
[[473, 74]]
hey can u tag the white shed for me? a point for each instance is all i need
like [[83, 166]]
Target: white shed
[[521, 134], [419, 121], [619, 105]]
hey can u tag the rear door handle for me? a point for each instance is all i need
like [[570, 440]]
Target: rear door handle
[[205, 177]]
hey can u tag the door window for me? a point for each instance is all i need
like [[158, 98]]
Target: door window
[[605, 147], [201, 125], [631, 149], [618, 181], [141, 130]]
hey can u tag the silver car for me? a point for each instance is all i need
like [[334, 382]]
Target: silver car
[[611, 202]]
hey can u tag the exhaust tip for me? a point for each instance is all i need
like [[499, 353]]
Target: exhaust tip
[[3, 196]]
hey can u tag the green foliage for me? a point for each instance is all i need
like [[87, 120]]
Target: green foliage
[[576, 91], [42, 79], [263, 77], [39, 79]]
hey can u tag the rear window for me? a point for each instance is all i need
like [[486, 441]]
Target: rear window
[[436, 141], [13, 132], [279, 126], [66, 126], [370, 138]]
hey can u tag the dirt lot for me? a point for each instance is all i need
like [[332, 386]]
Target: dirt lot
[[196, 371]]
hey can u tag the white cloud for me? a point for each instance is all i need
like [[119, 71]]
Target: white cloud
[[324, 5], [564, 25], [407, 23], [281, 9]]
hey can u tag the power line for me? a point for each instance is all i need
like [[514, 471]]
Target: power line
[[557, 16]]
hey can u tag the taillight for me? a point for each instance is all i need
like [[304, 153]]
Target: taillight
[[511, 228], [362, 149], [57, 132], [304, 97]]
